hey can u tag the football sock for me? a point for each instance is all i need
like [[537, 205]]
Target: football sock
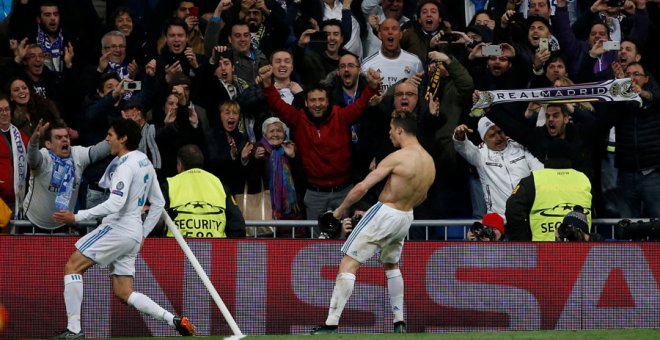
[[73, 296], [342, 291], [145, 305], [395, 291]]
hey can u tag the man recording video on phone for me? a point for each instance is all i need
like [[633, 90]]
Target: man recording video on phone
[[316, 65], [188, 12], [622, 17], [494, 67], [592, 56]]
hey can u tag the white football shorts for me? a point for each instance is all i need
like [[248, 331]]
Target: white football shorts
[[381, 228], [110, 247]]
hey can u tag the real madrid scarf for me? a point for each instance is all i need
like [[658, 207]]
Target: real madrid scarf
[[20, 169], [62, 179], [613, 90], [54, 49]]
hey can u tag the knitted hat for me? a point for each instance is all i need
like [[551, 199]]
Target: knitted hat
[[577, 218], [494, 220], [483, 126]]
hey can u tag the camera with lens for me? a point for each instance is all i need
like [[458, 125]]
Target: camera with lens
[[517, 17], [482, 232], [473, 44], [637, 231], [355, 220], [568, 232], [329, 225], [447, 34]]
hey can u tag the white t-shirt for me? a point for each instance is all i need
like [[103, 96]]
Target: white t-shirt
[[393, 70]]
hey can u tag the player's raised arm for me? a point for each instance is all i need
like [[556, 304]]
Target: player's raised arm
[[384, 169]]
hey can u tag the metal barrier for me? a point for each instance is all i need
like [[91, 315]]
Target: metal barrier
[[442, 229]]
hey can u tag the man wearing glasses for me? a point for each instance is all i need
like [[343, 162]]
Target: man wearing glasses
[[113, 56]]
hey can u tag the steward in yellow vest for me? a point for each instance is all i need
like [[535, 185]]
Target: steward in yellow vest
[[199, 204], [539, 203]]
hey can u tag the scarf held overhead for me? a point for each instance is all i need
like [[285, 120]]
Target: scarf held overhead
[[613, 90]]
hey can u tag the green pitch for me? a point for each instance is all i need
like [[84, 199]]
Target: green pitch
[[616, 334]]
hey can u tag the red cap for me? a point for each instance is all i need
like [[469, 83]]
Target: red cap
[[494, 220]]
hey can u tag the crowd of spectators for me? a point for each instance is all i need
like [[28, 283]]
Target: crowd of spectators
[[295, 97]]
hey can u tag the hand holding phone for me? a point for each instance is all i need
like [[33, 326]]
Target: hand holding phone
[[491, 50], [132, 85], [193, 12], [319, 37], [611, 45], [615, 3]]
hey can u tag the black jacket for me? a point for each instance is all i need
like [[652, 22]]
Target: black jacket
[[637, 142]]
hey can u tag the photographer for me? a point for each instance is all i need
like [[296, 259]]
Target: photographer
[[356, 212], [575, 228], [491, 228], [332, 228], [637, 231]]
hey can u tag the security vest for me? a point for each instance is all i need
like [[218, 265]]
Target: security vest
[[199, 201], [557, 192]]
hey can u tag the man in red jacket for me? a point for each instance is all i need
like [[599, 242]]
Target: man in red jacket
[[323, 136]]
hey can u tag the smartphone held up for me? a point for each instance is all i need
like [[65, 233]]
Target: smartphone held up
[[132, 85]]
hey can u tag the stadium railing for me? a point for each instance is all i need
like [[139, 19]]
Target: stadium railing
[[446, 230]]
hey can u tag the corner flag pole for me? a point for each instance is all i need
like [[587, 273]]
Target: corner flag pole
[[202, 275]]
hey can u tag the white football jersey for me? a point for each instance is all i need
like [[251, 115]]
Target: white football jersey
[[133, 183], [393, 70]]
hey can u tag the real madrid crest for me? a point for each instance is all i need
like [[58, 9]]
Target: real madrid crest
[[406, 69]]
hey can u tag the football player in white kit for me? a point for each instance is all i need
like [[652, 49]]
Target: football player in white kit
[[117, 240], [409, 173]]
